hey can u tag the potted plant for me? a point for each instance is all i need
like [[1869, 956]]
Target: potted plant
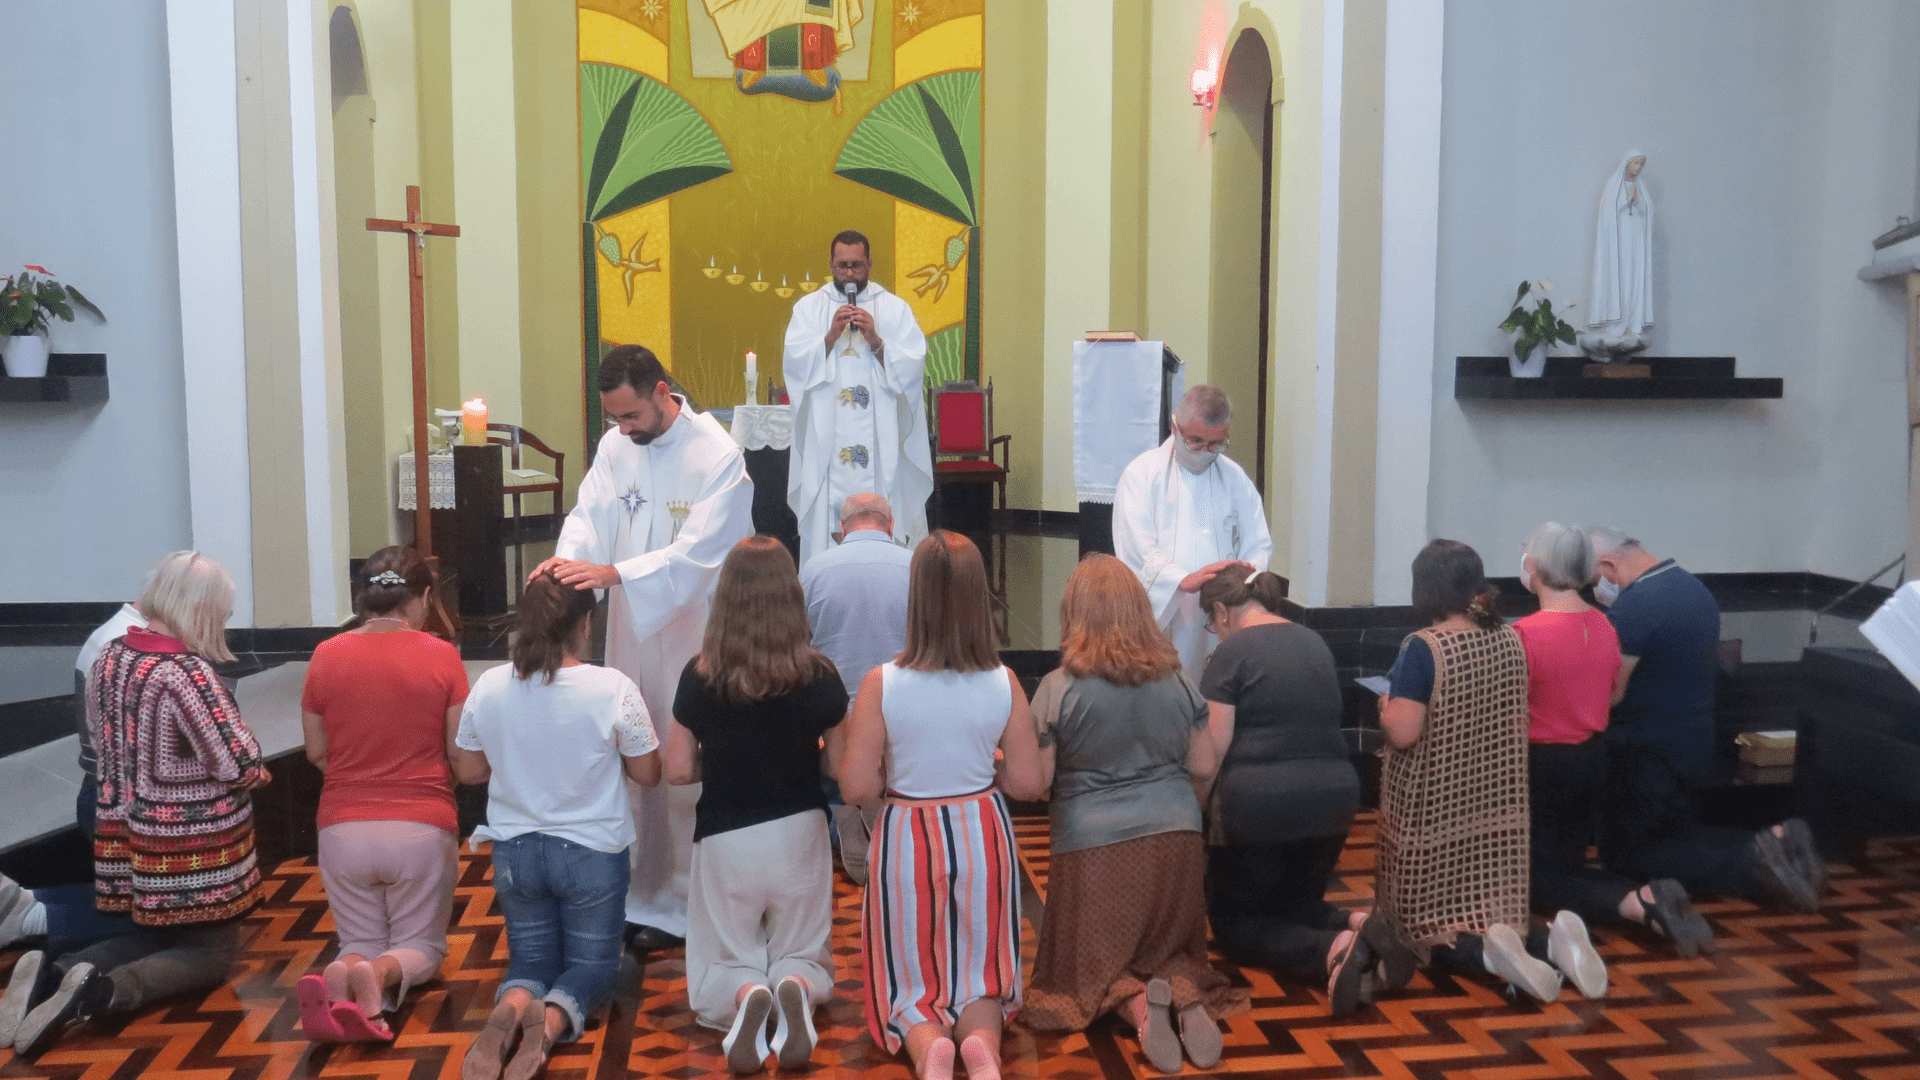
[[1535, 330], [27, 305]]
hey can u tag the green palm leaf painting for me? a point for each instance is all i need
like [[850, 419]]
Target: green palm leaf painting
[[640, 141], [946, 356], [922, 145]]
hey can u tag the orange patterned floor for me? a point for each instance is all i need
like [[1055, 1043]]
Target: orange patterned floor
[[1834, 995]]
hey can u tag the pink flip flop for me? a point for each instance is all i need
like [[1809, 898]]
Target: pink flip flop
[[316, 1015], [356, 1026]]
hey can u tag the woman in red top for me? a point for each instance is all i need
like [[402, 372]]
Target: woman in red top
[[1574, 676], [380, 709]]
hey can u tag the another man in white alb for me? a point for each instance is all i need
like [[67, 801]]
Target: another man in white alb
[[666, 499], [854, 364], [1181, 512]]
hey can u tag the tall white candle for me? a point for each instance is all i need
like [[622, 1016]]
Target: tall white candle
[[752, 365]]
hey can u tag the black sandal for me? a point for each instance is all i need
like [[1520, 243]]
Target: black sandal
[[1343, 984]]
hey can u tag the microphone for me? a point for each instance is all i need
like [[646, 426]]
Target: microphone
[[851, 289]]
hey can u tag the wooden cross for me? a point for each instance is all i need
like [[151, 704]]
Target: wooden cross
[[418, 231]]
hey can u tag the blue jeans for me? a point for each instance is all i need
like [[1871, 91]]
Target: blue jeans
[[565, 906]]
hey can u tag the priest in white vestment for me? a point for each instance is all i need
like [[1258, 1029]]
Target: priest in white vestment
[[854, 370], [1181, 512], [665, 500]]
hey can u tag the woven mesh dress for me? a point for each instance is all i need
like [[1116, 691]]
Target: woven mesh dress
[[1453, 806]]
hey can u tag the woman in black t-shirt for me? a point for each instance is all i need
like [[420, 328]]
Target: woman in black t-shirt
[[748, 719], [1285, 794]]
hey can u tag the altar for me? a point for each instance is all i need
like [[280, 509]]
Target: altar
[[765, 432]]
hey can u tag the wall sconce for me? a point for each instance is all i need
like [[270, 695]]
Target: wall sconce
[[1203, 84]]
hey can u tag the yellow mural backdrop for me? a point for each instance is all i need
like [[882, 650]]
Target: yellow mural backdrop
[[724, 143]]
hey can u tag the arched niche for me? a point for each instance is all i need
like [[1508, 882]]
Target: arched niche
[[1239, 315]]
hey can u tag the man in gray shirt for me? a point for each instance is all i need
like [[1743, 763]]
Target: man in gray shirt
[[857, 606]]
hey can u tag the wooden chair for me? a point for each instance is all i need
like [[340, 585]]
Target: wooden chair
[[524, 529], [963, 452]]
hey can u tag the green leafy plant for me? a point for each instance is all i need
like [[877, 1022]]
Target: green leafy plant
[[29, 303], [1537, 325]]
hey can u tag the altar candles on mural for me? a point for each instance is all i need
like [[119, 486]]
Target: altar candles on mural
[[473, 422], [753, 379]]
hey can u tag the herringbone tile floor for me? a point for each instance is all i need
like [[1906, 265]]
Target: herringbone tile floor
[[1834, 995]]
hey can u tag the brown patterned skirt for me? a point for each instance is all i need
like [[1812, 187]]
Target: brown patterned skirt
[[1116, 916]]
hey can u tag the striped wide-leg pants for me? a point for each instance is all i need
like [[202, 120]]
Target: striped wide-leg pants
[[942, 918]]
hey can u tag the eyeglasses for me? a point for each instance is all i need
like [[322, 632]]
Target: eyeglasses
[[851, 267], [1196, 444]]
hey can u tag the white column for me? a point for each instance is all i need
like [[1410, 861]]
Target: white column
[[1315, 536], [322, 428], [487, 205], [1409, 260], [1079, 268], [204, 85]]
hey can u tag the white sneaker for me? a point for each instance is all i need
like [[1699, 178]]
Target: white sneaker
[[793, 1042], [1506, 956], [746, 1043], [1571, 950]]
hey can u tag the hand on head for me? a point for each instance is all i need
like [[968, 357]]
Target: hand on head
[[579, 573]]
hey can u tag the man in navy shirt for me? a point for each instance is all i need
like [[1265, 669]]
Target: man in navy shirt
[[1660, 742]]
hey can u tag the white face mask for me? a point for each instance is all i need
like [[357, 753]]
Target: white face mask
[[1194, 461], [1606, 592]]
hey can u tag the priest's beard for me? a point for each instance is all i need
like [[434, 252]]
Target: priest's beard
[[643, 438]]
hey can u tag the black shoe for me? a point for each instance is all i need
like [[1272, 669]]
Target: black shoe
[[1800, 848], [642, 938], [1397, 959], [84, 993], [1672, 915], [1781, 876], [34, 980]]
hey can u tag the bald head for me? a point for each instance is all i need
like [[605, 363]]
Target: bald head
[[866, 510], [1204, 406]]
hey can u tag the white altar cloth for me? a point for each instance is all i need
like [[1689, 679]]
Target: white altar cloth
[[763, 427], [1116, 411]]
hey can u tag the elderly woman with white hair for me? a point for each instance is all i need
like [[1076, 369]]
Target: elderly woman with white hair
[[1574, 675], [174, 844]]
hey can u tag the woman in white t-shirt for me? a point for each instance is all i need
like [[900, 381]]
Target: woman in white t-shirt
[[942, 870], [556, 738]]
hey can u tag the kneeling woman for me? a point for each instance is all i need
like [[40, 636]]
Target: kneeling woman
[[558, 738], [1121, 730], [942, 918], [747, 720]]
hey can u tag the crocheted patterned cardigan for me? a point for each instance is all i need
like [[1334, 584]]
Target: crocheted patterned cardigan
[[174, 842]]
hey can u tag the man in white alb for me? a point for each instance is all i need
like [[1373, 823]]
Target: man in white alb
[[854, 364], [665, 500], [1181, 512]]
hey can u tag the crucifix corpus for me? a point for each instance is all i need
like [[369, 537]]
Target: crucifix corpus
[[418, 231]]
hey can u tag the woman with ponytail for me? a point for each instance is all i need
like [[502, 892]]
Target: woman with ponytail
[[379, 710], [556, 740], [1454, 847], [1285, 794]]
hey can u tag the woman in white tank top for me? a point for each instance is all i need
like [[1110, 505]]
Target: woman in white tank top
[[935, 716]]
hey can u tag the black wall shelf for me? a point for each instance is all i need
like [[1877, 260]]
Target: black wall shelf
[[1695, 378], [72, 378]]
